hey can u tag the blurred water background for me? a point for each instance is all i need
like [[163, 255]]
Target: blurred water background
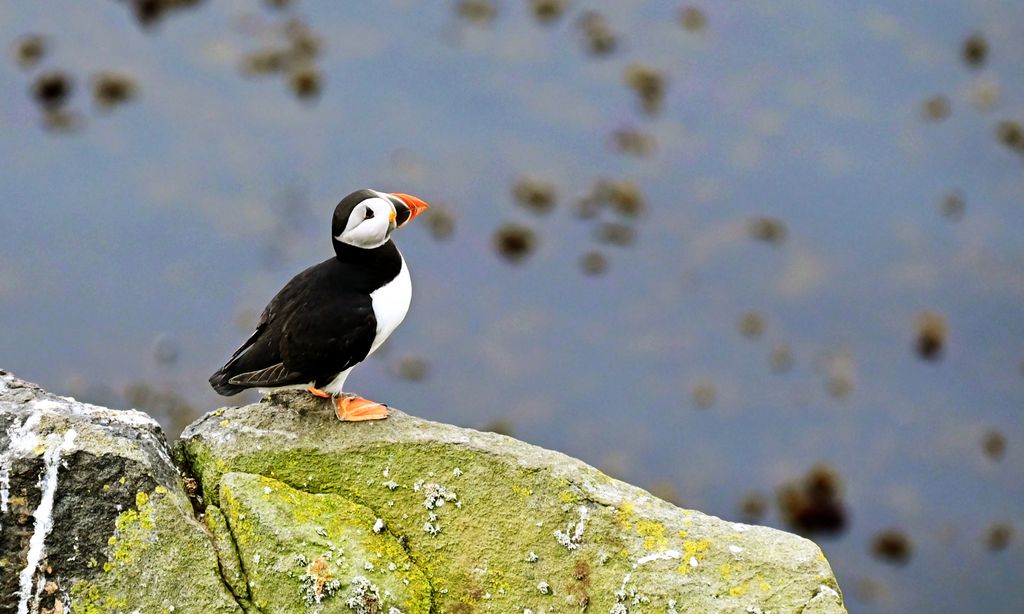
[[763, 259]]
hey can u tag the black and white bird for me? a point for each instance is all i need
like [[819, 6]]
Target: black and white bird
[[331, 316]]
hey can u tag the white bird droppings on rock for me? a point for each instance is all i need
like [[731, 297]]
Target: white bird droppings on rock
[[667, 555], [573, 534], [43, 516], [822, 588]]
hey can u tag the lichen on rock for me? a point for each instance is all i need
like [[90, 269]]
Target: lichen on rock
[[93, 517], [316, 552], [488, 519], [289, 510]]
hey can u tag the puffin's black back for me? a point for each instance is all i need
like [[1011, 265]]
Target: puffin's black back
[[320, 323]]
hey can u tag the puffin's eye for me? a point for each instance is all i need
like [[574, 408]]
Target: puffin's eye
[[369, 213]]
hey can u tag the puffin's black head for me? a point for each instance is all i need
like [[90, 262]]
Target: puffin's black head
[[366, 218]]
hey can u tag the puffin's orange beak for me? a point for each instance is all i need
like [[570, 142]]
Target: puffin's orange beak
[[416, 206]]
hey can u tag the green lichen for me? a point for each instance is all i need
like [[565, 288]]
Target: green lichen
[[227, 553], [158, 557], [89, 598], [299, 549], [485, 526]]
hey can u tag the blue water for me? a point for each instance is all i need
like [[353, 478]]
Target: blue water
[[178, 215]]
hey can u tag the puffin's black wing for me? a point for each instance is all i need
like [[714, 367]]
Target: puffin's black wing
[[311, 331]]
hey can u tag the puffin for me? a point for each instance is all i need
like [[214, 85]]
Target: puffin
[[332, 316]]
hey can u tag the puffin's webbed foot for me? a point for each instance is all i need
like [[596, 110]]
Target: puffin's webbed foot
[[313, 390], [353, 408]]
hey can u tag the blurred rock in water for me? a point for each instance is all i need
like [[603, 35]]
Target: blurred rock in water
[[165, 404], [1011, 134], [501, 426], [165, 350], [306, 82], [999, 536], [781, 358], [149, 12], [480, 12], [441, 222], [61, 120], [932, 334], [813, 505], [993, 443], [264, 61], [692, 19], [953, 205], [768, 229], [110, 89], [615, 233], [535, 195], [29, 50], [753, 507], [666, 491], [751, 324], [598, 37], [936, 108], [412, 368], [52, 89], [984, 93], [634, 141], [594, 263], [892, 546], [548, 11], [515, 242], [704, 394], [649, 85], [974, 50]]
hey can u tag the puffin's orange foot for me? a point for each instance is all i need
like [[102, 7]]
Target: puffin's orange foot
[[354, 409], [313, 390]]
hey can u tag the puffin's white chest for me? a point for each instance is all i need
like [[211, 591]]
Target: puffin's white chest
[[390, 304]]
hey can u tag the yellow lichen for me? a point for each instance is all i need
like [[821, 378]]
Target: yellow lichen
[[88, 599], [521, 491], [653, 534], [624, 515], [739, 590], [693, 549]]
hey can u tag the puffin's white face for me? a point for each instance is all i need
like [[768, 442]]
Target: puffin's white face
[[370, 223]]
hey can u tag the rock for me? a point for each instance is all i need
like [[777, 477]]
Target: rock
[[299, 550], [93, 515], [418, 515], [278, 507]]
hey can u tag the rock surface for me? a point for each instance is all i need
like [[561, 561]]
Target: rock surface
[[292, 511], [491, 523], [93, 514]]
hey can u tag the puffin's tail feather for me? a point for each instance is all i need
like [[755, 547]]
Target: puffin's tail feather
[[220, 383]]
